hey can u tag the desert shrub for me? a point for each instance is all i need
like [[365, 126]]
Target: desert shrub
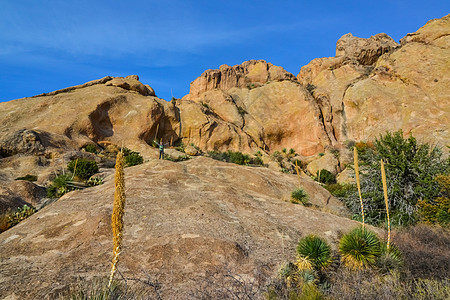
[[340, 190], [59, 186], [83, 168], [316, 250], [321, 154], [257, 160], [360, 248], [27, 177], [133, 159], [235, 157], [437, 211], [180, 147], [91, 148], [299, 196], [325, 177], [222, 156], [21, 214], [411, 171], [95, 180]]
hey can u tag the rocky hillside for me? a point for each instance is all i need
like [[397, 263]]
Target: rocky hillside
[[182, 220], [187, 218]]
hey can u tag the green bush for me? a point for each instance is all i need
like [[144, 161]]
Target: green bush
[[59, 186], [83, 168], [340, 190], [133, 159], [236, 157], [437, 211], [27, 177], [325, 177], [360, 248], [91, 148], [21, 214], [411, 171], [316, 250], [299, 196]]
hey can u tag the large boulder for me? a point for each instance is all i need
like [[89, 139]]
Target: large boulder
[[364, 51]]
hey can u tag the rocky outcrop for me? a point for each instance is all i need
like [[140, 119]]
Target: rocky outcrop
[[249, 74], [374, 86], [181, 220], [364, 51]]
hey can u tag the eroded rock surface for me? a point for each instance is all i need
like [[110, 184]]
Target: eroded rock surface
[[181, 220]]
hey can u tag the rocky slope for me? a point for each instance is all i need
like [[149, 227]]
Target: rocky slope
[[181, 221], [184, 219]]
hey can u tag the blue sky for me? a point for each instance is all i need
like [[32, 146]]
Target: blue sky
[[48, 45]]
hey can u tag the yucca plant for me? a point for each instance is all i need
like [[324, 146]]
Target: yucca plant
[[390, 257], [299, 196], [360, 248], [118, 212], [316, 250]]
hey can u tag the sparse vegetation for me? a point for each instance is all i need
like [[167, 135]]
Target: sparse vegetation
[[235, 157], [325, 176], [299, 196], [83, 168], [27, 177], [21, 214], [59, 186], [132, 158], [176, 159], [91, 148]]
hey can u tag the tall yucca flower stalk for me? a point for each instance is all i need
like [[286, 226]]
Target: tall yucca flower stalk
[[383, 178], [298, 173], [118, 212], [355, 160]]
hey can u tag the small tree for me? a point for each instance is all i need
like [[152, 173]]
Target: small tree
[[411, 170]]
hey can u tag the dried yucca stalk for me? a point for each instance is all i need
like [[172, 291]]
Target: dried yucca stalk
[[355, 160], [118, 212], [298, 172], [383, 178]]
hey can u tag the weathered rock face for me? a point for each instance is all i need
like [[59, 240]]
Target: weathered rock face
[[404, 88], [181, 220], [264, 108], [364, 51], [249, 74]]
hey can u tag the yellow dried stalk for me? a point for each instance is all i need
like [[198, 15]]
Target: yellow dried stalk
[[358, 184], [383, 178], [298, 173], [118, 212]]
